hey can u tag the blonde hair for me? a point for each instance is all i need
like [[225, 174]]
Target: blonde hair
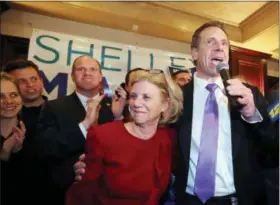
[[169, 90], [8, 77], [133, 76]]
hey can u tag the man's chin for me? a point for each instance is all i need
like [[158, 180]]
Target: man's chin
[[30, 99], [89, 88], [214, 74], [212, 71]]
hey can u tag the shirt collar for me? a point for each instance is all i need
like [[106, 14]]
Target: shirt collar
[[202, 83], [83, 98], [45, 97]]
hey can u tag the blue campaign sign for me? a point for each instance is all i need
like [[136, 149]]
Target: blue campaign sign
[[54, 53]]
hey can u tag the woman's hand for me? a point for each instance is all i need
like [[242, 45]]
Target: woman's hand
[[19, 135], [14, 142]]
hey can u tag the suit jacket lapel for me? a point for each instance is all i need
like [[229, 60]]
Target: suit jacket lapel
[[185, 122], [78, 109], [105, 113]]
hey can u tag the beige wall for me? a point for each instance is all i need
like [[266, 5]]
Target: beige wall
[[19, 23], [273, 67]]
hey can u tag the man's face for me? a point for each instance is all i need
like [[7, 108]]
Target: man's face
[[213, 48], [29, 83], [183, 78], [86, 74]]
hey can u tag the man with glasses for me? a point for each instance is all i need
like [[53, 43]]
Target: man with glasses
[[63, 125]]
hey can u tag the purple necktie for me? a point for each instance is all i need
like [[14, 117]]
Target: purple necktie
[[204, 186]]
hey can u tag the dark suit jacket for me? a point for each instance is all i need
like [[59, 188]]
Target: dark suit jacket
[[59, 138], [244, 137]]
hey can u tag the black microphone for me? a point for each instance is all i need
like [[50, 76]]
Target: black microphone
[[223, 69]]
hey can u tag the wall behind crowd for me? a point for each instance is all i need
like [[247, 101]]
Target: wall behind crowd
[[21, 24]]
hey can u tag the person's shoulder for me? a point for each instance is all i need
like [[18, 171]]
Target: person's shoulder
[[167, 136], [107, 132], [61, 101], [167, 131], [109, 128], [58, 100]]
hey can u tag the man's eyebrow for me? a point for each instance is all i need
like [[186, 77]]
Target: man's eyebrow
[[225, 40], [210, 38], [26, 77]]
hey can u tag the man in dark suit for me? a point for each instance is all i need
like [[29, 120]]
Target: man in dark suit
[[64, 122], [217, 164]]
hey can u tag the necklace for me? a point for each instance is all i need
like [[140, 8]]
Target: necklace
[[140, 135]]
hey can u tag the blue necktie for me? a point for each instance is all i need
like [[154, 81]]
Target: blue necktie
[[204, 186]]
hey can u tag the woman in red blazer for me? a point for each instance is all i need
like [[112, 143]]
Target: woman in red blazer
[[129, 163]]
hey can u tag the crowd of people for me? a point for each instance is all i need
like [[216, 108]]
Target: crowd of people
[[159, 140]]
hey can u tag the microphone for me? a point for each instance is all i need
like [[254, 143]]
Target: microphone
[[223, 69], [273, 111]]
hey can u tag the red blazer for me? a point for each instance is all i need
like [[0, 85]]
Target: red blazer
[[122, 169]]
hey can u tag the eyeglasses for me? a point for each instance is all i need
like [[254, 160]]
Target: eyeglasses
[[155, 71], [160, 72]]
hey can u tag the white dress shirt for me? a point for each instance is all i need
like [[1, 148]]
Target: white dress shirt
[[224, 181], [83, 99]]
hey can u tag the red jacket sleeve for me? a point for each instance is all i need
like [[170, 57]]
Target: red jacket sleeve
[[82, 193]]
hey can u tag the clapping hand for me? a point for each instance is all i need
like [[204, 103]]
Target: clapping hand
[[19, 135], [93, 107]]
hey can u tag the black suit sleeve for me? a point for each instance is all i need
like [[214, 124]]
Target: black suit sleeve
[[264, 131], [55, 142]]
